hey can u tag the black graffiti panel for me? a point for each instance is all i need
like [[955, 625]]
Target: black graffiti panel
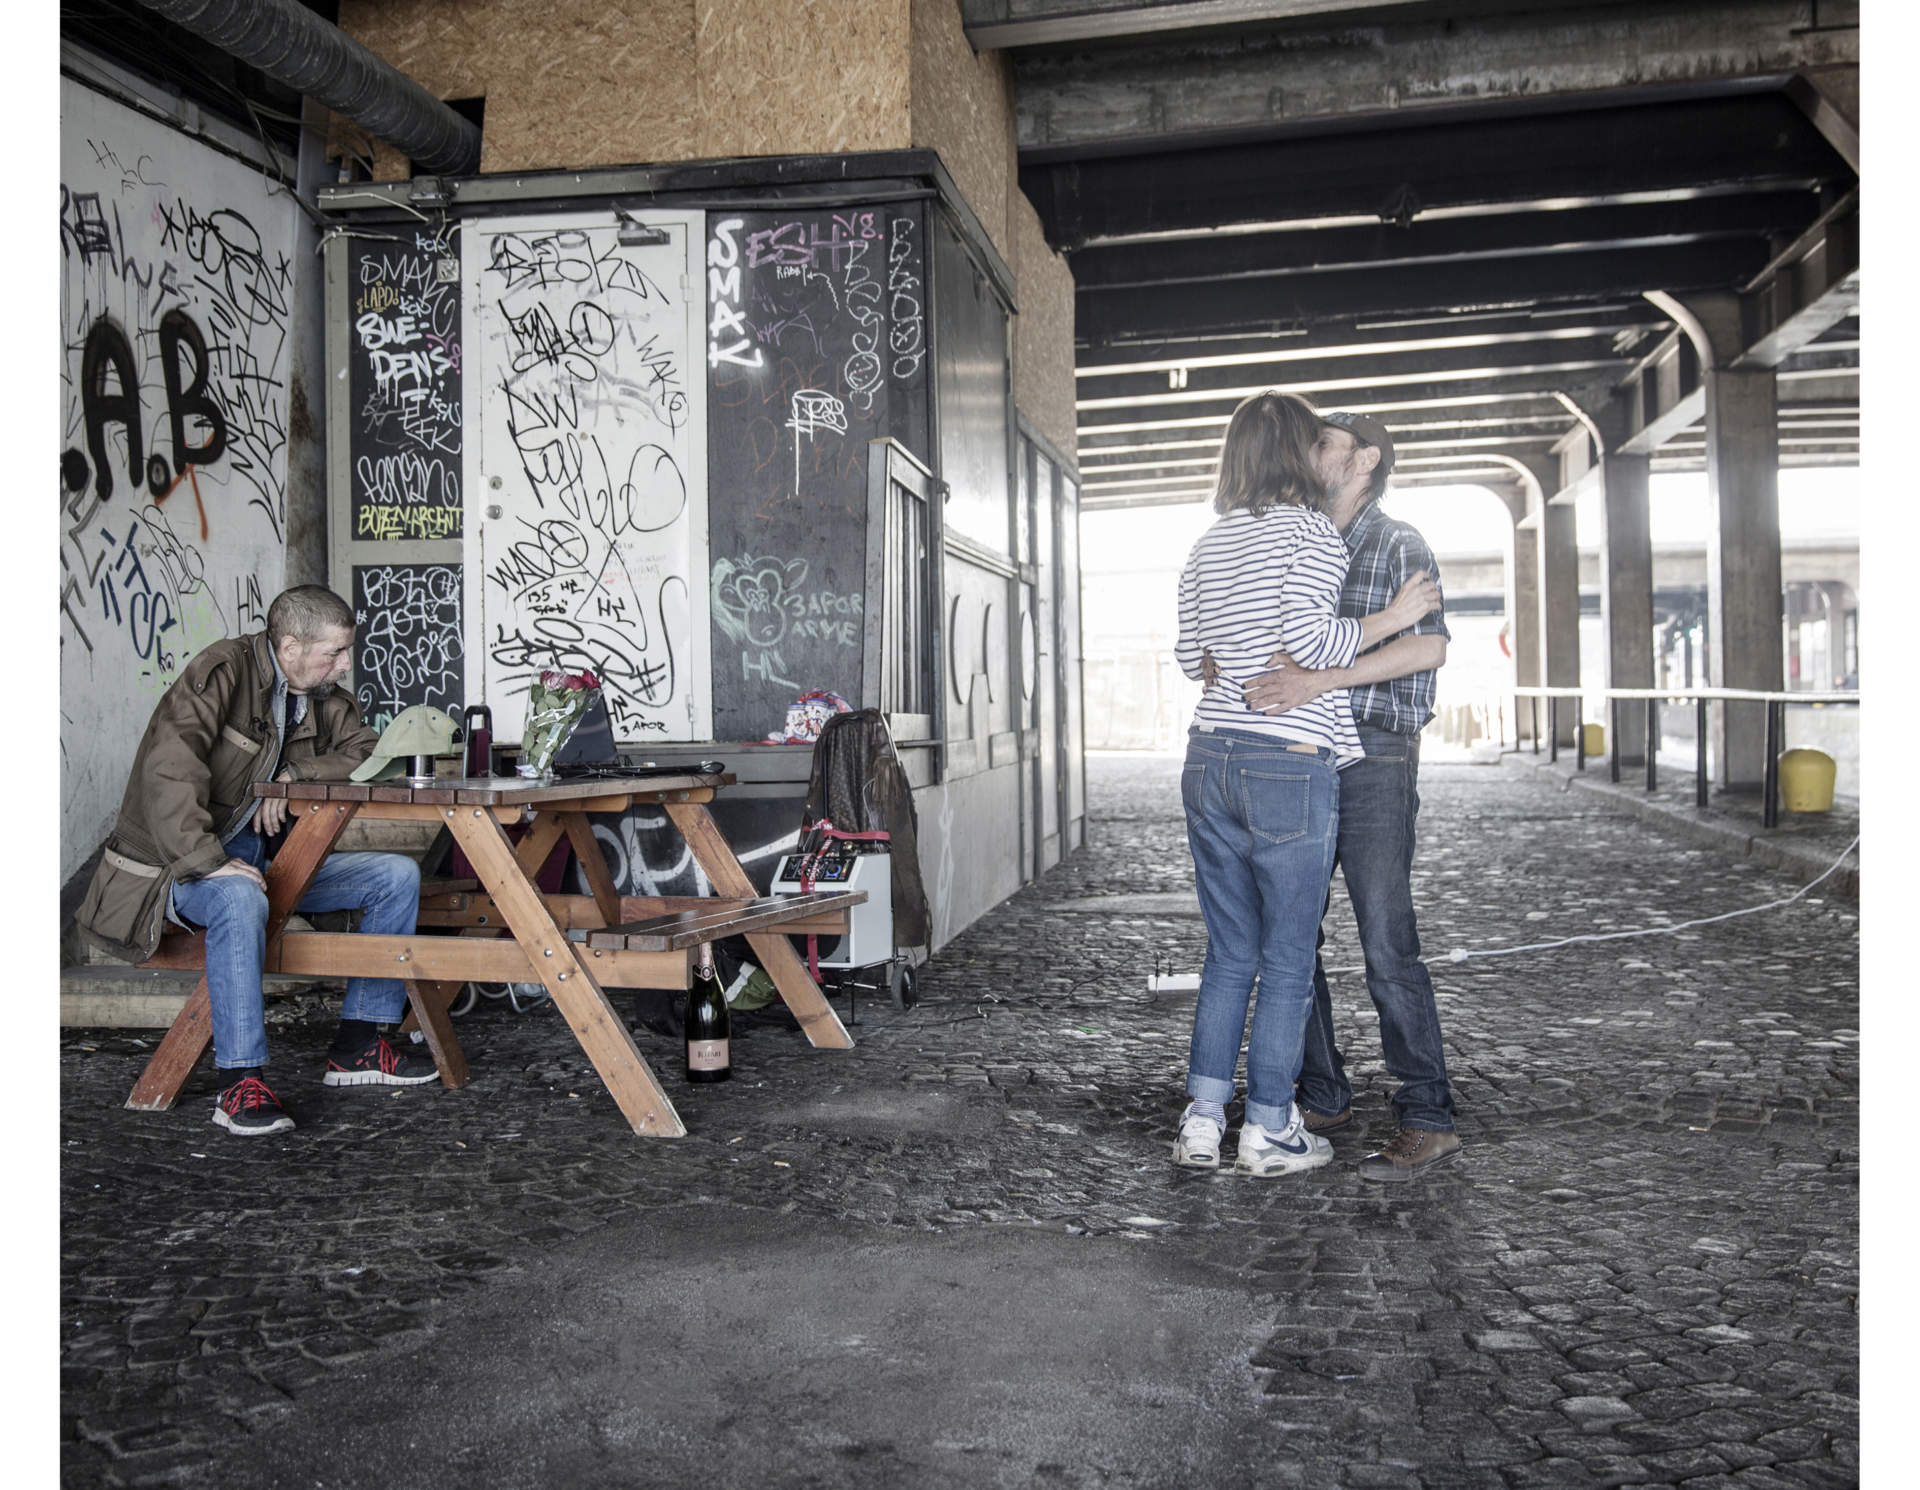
[[816, 344], [403, 376], [406, 641]]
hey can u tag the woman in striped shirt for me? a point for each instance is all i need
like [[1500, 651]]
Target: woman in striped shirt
[[1262, 792]]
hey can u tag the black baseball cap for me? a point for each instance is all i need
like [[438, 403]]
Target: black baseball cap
[[1367, 430]]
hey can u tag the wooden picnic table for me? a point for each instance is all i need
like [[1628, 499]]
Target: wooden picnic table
[[505, 930]]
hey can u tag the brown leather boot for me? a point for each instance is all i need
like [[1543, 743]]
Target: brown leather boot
[[1412, 1150], [1328, 1122]]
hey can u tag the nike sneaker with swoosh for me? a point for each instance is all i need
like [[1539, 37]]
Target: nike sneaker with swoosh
[[1264, 1152]]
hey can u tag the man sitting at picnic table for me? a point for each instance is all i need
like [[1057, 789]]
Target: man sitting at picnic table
[[192, 840]]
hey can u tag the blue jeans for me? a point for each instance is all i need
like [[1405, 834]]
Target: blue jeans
[[1379, 800], [386, 887], [1261, 822]]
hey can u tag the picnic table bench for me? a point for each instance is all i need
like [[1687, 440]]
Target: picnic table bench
[[504, 929]]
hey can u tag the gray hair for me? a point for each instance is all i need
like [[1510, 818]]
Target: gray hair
[[304, 612]]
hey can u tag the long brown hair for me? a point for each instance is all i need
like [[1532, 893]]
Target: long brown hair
[[1267, 456]]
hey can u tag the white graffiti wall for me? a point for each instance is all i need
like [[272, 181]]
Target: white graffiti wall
[[176, 286]]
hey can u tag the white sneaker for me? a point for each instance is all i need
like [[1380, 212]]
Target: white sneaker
[[1198, 1146], [1264, 1152]]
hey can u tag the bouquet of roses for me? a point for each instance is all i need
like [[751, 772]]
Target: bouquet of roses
[[555, 705]]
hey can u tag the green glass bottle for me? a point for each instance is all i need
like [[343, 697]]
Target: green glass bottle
[[709, 1027]]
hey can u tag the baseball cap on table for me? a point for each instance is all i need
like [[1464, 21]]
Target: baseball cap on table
[[1367, 430], [421, 730]]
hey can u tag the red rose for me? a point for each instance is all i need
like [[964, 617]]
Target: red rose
[[588, 680]]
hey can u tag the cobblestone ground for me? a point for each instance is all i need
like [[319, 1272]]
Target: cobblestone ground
[[1642, 1270]]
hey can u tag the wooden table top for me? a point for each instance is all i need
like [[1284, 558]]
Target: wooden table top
[[494, 791]]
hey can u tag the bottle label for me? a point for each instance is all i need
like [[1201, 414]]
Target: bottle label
[[707, 1055]]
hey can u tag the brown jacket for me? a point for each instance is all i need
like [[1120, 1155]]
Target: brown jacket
[[213, 734]]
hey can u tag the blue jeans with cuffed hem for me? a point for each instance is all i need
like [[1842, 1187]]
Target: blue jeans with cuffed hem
[[384, 887], [1262, 822], [1379, 802]]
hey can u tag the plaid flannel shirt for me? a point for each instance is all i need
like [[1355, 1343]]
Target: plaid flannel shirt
[[1384, 553]]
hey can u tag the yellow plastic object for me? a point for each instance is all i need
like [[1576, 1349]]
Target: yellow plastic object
[[1596, 739], [1806, 781]]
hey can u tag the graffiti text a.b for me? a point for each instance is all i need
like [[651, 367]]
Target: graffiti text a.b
[[107, 352]]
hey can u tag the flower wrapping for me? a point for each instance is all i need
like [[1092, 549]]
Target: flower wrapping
[[555, 706]]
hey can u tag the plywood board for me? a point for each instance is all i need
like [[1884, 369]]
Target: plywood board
[[796, 77], [963, 108], [1043, 384], [567, 82]]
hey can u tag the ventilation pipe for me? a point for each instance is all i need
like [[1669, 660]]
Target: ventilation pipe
[[292, 45]]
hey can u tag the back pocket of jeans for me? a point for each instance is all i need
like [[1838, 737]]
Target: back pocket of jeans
[[1279, 805], [1192, 778]]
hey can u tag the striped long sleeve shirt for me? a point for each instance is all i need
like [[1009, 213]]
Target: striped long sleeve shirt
[[1256, 585]]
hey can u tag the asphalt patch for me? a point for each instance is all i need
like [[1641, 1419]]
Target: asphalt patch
[[712, 1344]]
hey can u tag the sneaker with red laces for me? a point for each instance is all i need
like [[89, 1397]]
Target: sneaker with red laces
[[249, 1108], [379, 1064]]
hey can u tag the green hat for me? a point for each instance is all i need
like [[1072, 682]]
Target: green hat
[[421, 730]]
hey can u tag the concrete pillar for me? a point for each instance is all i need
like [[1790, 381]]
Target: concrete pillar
[[1557, 554], [1744, 647], [1523, 621], [1626, 592]]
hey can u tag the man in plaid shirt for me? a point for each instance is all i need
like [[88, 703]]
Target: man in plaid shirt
[[1391, 693]]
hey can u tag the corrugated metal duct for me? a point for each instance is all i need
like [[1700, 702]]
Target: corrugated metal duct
[[291, 44]]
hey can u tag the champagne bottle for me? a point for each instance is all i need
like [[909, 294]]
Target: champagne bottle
[[709, 1027]]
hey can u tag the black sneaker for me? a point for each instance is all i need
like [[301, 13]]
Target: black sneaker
[[379, 1064], [249, 1108]]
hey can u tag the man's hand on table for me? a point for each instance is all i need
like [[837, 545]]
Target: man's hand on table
[[1287, 687], [272, 816]]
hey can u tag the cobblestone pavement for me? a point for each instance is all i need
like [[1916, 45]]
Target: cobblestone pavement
[[1641, 1271]]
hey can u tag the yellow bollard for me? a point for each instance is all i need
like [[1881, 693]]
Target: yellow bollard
[[1806, 781], [1596, 740]]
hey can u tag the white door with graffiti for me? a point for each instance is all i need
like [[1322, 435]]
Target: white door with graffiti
[[586, 532]]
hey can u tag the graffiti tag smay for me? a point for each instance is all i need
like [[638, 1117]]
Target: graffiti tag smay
[[728, 339], [591, 393], [174, 332], [761, 602], [407, 639]]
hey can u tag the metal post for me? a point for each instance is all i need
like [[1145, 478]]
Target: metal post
[[1580, 734], [1700, 753], [1613, 740], [1553, 731], [1533, 709], [1653, 738], [1776, 726]]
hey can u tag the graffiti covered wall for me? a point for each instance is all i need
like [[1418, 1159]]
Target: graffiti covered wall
[[176, 287]]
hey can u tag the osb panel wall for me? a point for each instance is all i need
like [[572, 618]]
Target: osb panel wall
[[802, 77], [1043, 382], [567, 82], [963, 108]]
